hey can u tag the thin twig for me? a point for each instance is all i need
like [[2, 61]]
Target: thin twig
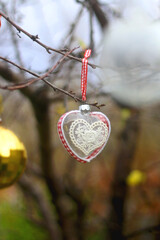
[[35, 38], [38, 77], [91, 28], [13, 36], [74, 25], [18, 66]]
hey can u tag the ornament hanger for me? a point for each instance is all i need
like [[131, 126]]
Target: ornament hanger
[[84, 73]]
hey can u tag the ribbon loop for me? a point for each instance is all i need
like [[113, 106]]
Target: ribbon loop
[[84, 72], [87, 53]]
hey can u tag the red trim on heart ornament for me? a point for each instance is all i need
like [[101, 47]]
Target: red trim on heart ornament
[[64, 141]]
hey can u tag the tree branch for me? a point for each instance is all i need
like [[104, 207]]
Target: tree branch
[[42, 77], [36, 37], [124, 159], [100, 15]]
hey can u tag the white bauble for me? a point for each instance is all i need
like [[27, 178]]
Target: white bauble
[[131, 59]]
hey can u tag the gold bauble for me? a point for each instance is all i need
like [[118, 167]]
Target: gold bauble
[[12, 158]]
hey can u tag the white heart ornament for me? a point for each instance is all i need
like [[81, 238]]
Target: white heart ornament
[[84, 134]]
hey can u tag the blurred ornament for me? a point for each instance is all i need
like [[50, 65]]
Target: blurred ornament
[[12, 158], [135, 177], [126, 8], [83, 133], [131, 56], [125, 114]]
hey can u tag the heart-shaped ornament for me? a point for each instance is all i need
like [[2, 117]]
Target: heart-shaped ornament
[[84, 134]]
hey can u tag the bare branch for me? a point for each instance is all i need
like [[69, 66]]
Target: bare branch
[[35, 38], [38, 77], [20, 67], [73, 27], [91, 29], [101, 17]]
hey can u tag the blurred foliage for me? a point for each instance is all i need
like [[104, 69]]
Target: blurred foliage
[[97, 236], [125, 114], [82, 44], [14, 224]]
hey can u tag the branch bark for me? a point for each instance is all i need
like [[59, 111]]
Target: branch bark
[[100, 15], [35, 38], [9, 75], [53, 182]]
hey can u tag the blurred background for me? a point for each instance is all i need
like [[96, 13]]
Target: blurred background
[[117, 195]]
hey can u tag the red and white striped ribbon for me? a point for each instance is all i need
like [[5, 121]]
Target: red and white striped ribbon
[[84, 72]]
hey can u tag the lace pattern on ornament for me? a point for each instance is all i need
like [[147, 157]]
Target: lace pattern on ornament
[[88, 137]]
